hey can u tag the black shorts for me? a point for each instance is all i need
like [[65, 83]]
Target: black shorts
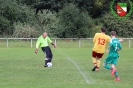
[[48, 52]]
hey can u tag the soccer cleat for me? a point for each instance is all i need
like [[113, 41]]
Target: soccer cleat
[[94, 68], [45, 66], [113, 71], [117, 79], [97, 69]]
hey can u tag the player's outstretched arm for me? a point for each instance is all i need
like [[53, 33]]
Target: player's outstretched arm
[[37, 45], [120, 40], [53, 45], [36, 51]]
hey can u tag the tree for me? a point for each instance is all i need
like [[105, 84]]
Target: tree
[[4, 26], [72, 23], [93, 7], [47, 21], [124, 27], [52, 5], [11, 12], [27, 2]]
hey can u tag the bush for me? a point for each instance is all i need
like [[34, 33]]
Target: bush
[[123, 27], [24, 31]]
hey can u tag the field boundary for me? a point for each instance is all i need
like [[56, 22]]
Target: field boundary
[[7, 41]]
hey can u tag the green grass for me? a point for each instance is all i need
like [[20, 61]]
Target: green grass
[[21, 68]]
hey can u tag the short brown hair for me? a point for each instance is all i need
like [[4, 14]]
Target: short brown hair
[[113, 33]]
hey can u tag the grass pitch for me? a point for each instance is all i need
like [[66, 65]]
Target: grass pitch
[[21, 68]]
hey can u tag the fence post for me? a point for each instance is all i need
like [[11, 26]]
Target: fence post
[[7, 42], [79, 43], [31, 43], [129, 43]]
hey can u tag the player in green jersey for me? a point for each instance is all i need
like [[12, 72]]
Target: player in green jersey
[[43, 41], [114, 47]]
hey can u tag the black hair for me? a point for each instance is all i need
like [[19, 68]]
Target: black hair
[[103, 29]]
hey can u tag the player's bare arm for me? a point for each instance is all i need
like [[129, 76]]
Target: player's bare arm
[[121, 40], [36, 51], [107, 50], [54, 45]]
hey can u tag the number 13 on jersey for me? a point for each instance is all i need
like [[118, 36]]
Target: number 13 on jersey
[[101, 41]]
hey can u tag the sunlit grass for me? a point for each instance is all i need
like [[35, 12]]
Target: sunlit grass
[[21, 68]]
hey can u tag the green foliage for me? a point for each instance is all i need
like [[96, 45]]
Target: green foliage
[[12, 12], [48, 22], [98, 4], [24, 31], [27, 2], [95, 29], [73, 23], [62, 18], [4, 25], [123, 27]]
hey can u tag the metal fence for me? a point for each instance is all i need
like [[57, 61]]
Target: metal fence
[[60, 42]]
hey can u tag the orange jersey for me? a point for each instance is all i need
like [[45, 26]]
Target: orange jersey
[[100, 40]]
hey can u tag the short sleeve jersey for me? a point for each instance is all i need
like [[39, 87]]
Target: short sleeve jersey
[[43, 42], [114, 45], [100, 41]]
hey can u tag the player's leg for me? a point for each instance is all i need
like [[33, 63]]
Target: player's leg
[[116, 76], [98, 64], [107, 61], [114, 70], [46, 61], [105, 65], [94, 59], [46, 52], [113, 64], [50, 55], [99, 55]]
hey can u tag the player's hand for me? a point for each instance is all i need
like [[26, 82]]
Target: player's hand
[[120, 40], [36, 51], [54, 46], [107, 51]]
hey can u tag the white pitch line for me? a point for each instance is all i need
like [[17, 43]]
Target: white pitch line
[[84, 76]]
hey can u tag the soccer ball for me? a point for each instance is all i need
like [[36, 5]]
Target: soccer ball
[[49, 64]]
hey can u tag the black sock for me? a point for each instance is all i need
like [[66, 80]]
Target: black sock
[[46, 61], [49, 60]]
